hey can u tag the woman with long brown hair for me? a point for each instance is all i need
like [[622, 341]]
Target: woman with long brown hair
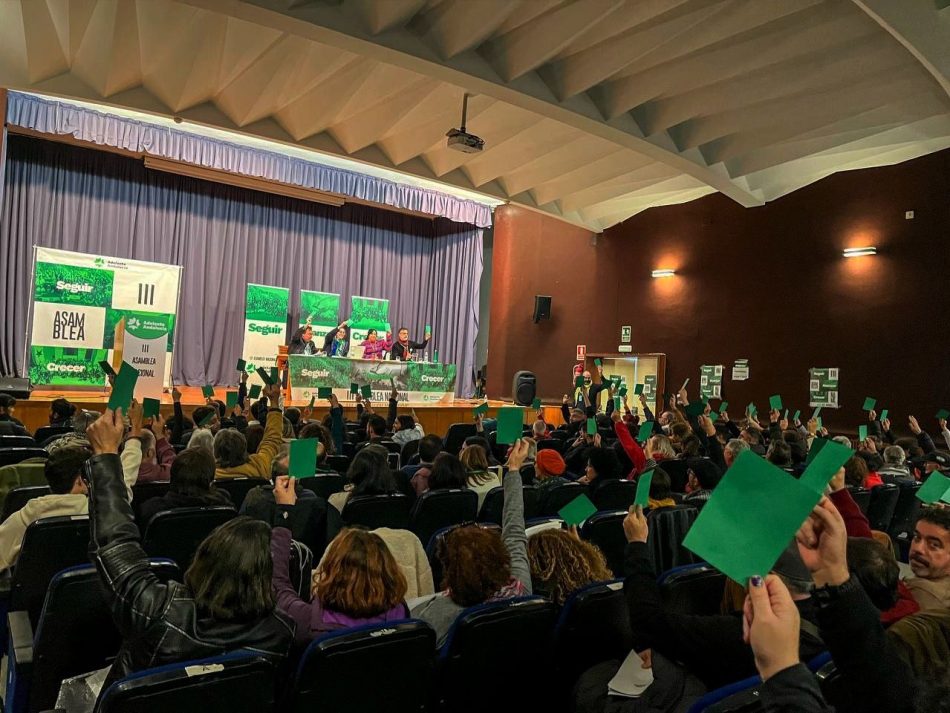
[[358, 582], [561, 563]]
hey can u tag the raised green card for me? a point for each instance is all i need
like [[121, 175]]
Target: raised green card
[[696, 408], [816, 445], [724, 406], [642, 498], [481, 409], [303, 457], [943, 413], [313, 400], [869, 403], [255, 391], [207, 419], [616, 403], [884, 413], [775, 402], [638, 389], [646, 430], [751, 517], [274, 375], [713, 416], [598, 362], [577, 511], [510, 424], [150, 407], [536, 404], [797, 415], [579, 380], [816, 413], [935, 488], [366, 390], [324, 392], [265, 375], [231, 399], [123, 388], [241, 365], [785, 417], [623, 391], [862, 431], [826, 461], [751, 409], [207, 391], [591, 426], [354, 389]]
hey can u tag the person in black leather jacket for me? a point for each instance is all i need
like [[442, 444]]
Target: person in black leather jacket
[[226, 603]]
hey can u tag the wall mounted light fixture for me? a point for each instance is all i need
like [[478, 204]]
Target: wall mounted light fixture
[[858, 252], [664, 273]]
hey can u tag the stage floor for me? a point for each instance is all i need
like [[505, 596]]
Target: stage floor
[[435, 417]]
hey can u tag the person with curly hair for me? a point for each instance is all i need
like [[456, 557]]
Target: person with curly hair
[[561, 563], [478, 565]]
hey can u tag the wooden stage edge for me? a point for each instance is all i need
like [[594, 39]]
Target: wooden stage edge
[[435, 417]]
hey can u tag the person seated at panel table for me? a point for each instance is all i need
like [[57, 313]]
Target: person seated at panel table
[[337, 341], [402, 349], [302, 342], [373, 346]]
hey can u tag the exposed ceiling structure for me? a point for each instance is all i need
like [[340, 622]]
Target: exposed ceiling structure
[[592, 110]]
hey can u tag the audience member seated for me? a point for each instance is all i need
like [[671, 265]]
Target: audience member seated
[[429, 447], [875, 567], [411, 558], [732, 449], [201, 438], [634, 454], [659, 448], [226, 602], [375, 430], [895, 469], [549, 469], [602, 467], [856, 474], [10, 426], [287, 432], [191, 485], [230, 446], [320, 432], [779, 453], [369, 474], [81, 421], [407, 428], [930, 559], [703, 476], [253, 435], [68, 496], [157, 453], [61, 412], [478, 565], [561, 563], [660, 494], [358, 581], [478, 477], [448, 473]]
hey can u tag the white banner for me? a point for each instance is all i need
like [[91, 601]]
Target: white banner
[[265, 327]]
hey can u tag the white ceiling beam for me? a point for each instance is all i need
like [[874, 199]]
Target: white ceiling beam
[[381, 16], [532, 45], [576, 152], [921, 28], [591, 173], [518, 150], [459, 25]]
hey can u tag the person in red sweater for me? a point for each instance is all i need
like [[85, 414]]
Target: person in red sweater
[[630, 446]]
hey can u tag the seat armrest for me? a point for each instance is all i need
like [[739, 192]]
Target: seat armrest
[[21, 638]]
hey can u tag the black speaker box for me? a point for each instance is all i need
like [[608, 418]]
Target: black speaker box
[[523, 388], [17, 388], [542, 308]]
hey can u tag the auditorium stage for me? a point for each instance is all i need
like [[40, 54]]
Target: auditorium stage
[[436, 418]]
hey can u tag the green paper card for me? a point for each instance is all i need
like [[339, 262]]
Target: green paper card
[[354, 389], [303, 458], [109, 371], [775, 402], [713, 416], [274, 375], [816, 413], [123, 388], [785, 417], [150, 407], [579, 380], [428, 329], [616, 403], [598, 362], [241, 365], [819, 422], [536, 404], [642, 497], [623, 391], [367, 391], [862, 432], [576, 511], [816, 445], [231, 399], [869, 403], [206, 420], [724, 406], [638, 389], [943, 413], [510, 424], [646, 430], [255, 391], [207, 391], [936, 487], [797, 415], [884, 413], [751, 410], [324, 392], [696, 408], [313, 400], [591, 426], [824, 464], [265, 375], [481, 409], [750, 518]]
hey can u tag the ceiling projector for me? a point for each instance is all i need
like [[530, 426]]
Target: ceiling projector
[[459, 139]]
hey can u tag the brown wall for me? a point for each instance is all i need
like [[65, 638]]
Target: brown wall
[[768, 284]]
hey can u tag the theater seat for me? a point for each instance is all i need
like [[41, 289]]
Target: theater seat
[[668, 528], [48, 433], [553, 499], [176, 534], [18, 497], [12, 456], [16, 442], [739, 697], [615, 495], [234, 682], [437, 509], [692, 589], [905, 514], [882, 505], [399, 655], [238, 488], [435, 542], [456, 435], [410, 449], [372, 511], [605, 529], [75, 634], [323, 484], [496, 657], [677, 470], [339, 463], [494, 502], [862, 498]]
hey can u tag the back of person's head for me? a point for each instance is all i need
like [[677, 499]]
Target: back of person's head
[[230, 575], [843, 440], [406, 422], [663, 446], [706, 472], [473, 458], [148, 442], [906, 444], [63, 467], [894, 455], [281, 463], [604, 462], [562, 564], [752, 436], [83, 420], [7, 402], [287, 429], [202, 438], [192, 472], [259, 410], [855, 470], [538, 429], [220, 407], [447, 472], [873, 461], [253, 435], [796, 447], [61, 410], [292, 414], [876, 570], [429, 447], [230, 448], [735, 446], [377, 426], [359, 576], [549, 464], [369, 472], [660, 486], [779, 453], [318, 431], [476, 564], [690, 446], [680, 430], [201, 413]]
